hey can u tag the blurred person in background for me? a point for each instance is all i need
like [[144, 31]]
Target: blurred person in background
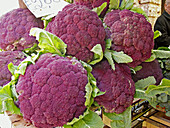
[[163, 25]]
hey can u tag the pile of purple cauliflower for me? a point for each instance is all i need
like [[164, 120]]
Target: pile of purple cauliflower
[[52, 91]]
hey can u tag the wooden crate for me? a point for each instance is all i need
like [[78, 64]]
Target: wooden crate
[[157, 121]]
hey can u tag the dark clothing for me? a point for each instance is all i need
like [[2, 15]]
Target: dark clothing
[[163, 25]]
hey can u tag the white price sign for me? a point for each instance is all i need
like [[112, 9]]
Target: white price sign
[[45, 7]]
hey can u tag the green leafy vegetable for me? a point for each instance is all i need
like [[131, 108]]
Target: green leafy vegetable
[[109, 58], [123, 3], [164, 48], [152, 58], [129, 4], [157, 34], [7, 100], [161, 54], [99, 9], [96, 91], [86, 66], [108, 44], [8, 93], [144, 83], [114, 4], [76, 119], [49, 42], [20, 69], [152, 91], [164, 102], [122, 120], [111, 55], [98, 54], [91, 88], [165, 82], [137, 68], [108, 53], [69, 1], [12, 68], [32, 49], [120, 57], [163, 97], [46, 21], [91, 120]]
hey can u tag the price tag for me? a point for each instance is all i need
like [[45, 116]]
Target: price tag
[[45, 7]]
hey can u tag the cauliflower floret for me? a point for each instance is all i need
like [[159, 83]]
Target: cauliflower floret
[[131, 33], [15, 27], [80, 28], [93, 3], [118, 84], [52, 92], [149, 69], [87, 3]]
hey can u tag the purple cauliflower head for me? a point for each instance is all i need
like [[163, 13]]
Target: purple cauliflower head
[[118, 85], [131, 33], [7, 57], [80, 28], [149, 69], [15, 27], [52, 92], [87, 3], [93, 3]]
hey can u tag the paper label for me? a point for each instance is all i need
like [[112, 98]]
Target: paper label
[[45, 7]]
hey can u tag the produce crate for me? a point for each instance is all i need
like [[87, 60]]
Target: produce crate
[[139, 108], [145, 116], [157, 120]]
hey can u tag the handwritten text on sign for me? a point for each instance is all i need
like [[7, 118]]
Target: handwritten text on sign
[[44, 7]]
